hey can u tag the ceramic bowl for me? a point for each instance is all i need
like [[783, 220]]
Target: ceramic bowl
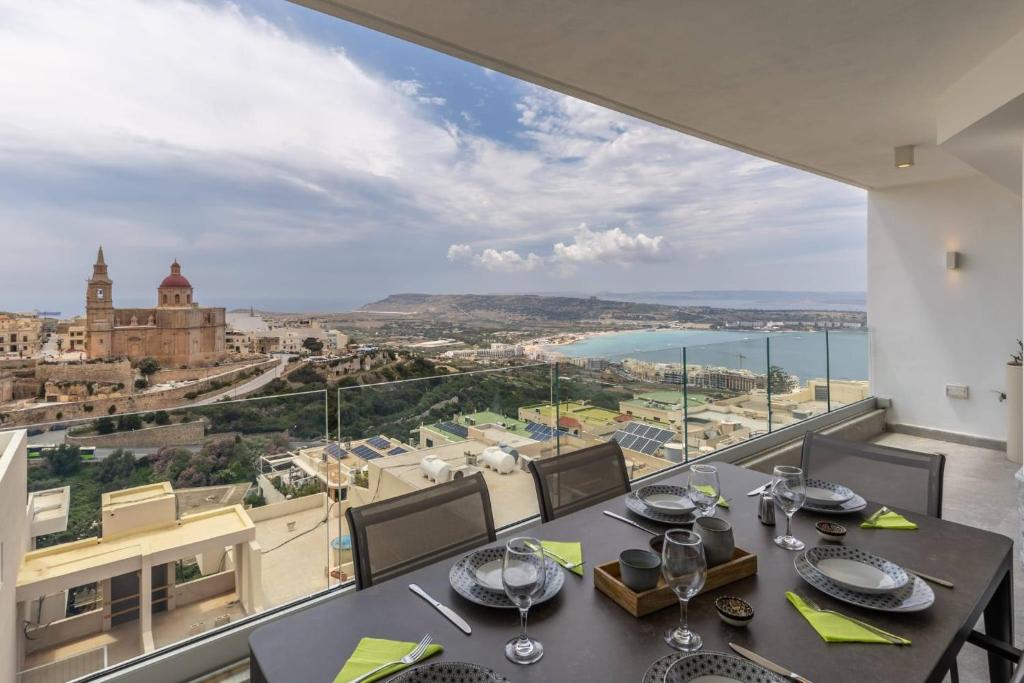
[[657, 542], [639, 569], [830, 531], [734, 611]]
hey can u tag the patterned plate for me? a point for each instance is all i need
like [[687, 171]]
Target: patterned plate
[[656, 672], [827, 493], [668, 500], [637, 506], [728, 667], [449, 672], [914, 597], [855, 504], [857, 570], [462, 577]]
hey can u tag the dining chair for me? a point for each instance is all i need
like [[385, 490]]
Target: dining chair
[[394, 536], [882, 474], [572, 481]]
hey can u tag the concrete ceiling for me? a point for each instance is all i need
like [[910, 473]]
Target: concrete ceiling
[[827, 86]]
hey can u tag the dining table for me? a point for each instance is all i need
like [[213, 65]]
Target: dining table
[[588, 637]]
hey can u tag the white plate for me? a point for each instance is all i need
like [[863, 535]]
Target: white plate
[[670, 500], [637, 506], [857, 570], [716, 667], [855, 504], [488, 575], [462, 577], [917, 595], [821, 492]]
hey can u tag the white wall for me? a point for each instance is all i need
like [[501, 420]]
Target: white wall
[[14, 538], [932, 326]]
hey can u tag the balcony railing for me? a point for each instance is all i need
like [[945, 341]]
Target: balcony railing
[[260, 486]]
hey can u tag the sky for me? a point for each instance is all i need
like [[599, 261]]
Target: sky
[[292, 161]]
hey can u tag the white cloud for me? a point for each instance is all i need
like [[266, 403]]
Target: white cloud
[[329, 153], [611, 246]]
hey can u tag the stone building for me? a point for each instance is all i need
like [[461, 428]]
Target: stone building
[[177, 332], [21, 335]]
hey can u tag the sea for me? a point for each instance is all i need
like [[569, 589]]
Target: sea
[[797, 353]]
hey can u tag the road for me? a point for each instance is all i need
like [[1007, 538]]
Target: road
[[248, 387]]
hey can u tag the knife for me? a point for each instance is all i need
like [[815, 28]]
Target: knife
[[768, 664], [759, 489], [448, 612], [631, 523]]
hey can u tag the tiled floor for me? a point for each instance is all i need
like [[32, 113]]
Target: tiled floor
[[979, 490]]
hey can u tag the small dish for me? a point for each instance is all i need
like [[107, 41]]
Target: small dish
[[639, 569], [734, 611], [830, 531]]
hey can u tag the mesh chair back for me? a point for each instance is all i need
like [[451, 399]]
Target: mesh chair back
[[395, 536], [890, 476], [572, 481]]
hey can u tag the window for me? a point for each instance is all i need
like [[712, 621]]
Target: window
[[99, 293], [165, 298], [188, 298], [177, 298]]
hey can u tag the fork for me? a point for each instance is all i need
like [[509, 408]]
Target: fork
[[891, 637], [561, 560], [410, 658], [881, 511]]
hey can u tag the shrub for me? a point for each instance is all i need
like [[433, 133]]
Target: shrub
[[141, 383], [161, 417], [111, 410]]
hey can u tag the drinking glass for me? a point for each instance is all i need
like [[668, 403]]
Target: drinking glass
[[790, 494], [522, 575], [705, 489], [684, 567]]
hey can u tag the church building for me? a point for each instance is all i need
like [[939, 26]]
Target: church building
[[177, 332]]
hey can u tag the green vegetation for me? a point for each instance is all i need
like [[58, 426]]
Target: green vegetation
[[779, 381], [148, 366]]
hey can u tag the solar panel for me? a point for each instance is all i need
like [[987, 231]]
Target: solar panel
[[365, 452], [628, 441], [453, 428], [651, 447], [664, 435], [398, 450], [379, 442], [335, 451], [619, 436], [630, 428]]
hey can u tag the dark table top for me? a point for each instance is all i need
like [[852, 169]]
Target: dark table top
[[585, 633]]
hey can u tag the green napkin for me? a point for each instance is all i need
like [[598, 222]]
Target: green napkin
[[571, 551], [834, 628], [372, 652], [707, 490], [890, 520]]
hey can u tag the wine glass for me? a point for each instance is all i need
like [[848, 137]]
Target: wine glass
[[705, 489], [684, 567], [790, 494], [523, 576]]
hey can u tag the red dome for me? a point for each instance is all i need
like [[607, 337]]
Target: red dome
[[176, 281]]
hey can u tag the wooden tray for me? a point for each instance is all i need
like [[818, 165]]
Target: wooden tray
[[606, 580]]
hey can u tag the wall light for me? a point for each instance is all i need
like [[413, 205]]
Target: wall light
[[904, 156], [952, 260]]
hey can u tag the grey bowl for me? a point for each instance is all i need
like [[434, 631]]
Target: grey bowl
[[639, 569]]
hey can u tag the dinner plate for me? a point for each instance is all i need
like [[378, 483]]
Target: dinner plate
[[857, 570], [488, 575], [854, 504], [717, 667], [449, 672], [635, 505], [669, 500], [462, 577], [821, 492], [914, 597]]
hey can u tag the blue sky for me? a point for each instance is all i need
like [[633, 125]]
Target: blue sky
[[293, 161]]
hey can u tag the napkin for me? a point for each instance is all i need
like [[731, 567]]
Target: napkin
[[835, 628], [704, 488], [372, 652], [890, 520], [571, 551]]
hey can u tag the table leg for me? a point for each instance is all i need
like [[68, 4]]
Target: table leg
[[999, 625]]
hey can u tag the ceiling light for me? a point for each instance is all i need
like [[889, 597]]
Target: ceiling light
[[904, 156]]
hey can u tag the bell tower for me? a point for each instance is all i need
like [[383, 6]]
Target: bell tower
[[99, 310]]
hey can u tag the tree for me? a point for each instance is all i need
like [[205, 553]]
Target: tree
[[141, 383], [779, 381], [64, 460], [161, 417], [105, 425], [129, 423], [313, 344], [116, 470], [148, 365]]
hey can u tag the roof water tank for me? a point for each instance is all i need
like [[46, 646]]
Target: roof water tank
[[435, 469], [498, 460]]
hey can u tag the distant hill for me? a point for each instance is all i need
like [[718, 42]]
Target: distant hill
[[534, 307]]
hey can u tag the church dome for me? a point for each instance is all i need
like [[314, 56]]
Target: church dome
[[175, 279]]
